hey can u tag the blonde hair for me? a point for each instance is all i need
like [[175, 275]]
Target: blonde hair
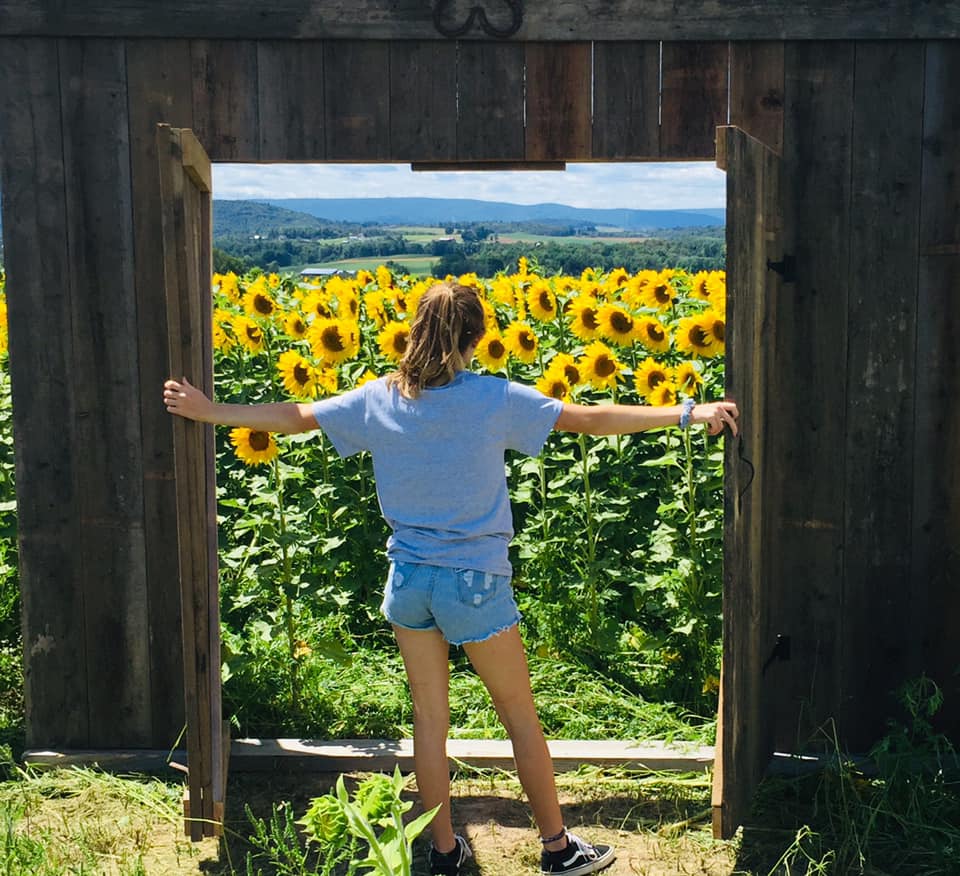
[[449, 320]]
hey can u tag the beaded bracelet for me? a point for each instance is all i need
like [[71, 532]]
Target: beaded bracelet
[[688, 406], [555, 838]]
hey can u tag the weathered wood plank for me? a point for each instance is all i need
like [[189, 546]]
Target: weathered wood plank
[[881, 353], [291, 99], [748, 685], [423, 101], [106, 388], [935, 578], [626, 100], [693, 99], [159, 71], [225, 99], [37, 263], [806, 410], [560, 20], [756, 90], [558, 94], [357, 89], [347, 755], [490, 109]]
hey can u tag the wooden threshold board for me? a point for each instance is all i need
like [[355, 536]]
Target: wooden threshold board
[[382, 755]]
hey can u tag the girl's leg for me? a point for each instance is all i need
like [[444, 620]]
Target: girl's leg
[[501, 663], [425, 656]]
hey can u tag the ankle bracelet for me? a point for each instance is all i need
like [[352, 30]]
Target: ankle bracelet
[[555, 838]]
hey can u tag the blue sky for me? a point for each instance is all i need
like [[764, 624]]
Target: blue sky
[[641, 186]]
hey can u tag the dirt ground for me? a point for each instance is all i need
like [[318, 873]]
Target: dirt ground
[[659, 825]]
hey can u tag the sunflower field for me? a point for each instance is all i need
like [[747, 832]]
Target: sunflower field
[[617, 557]]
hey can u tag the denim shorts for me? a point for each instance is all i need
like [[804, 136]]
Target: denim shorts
[[464, 604]]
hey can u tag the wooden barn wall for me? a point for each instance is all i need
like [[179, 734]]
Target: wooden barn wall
[[866, 527], [865, 502]]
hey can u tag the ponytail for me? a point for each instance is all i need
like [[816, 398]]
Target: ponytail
[[448, 322]]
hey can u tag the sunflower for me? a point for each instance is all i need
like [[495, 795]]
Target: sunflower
[[326, 379], [364, 278], [252, 446], [633, 293], [717, 289], [257, 301], [564, 364], [584, 317], [653, 334], [700, 285], [693, 336], [366, 377], [541, 301], [317, 304], [348, 304], [599, 366], [554, 386], [247, 332], [521, 341], [651, 374], [664, 395], [687, 377], [502, 291], [393, 340], [223, 338], [299, 376], [295, 326], [617, 325], [492, 352], [659, 292], [384, 278], [615, 279], [522, 267], [334, 340], [230, 286], [376, 308], [716, 326]]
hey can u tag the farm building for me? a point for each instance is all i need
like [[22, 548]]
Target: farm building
[[838, 125]]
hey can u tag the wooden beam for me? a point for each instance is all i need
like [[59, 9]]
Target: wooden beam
[[558, 20], [431, 166], [361, 755]]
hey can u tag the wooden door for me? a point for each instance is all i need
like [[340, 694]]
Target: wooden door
[[756, 269], [186, 207]]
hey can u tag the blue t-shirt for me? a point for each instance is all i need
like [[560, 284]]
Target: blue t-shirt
[[438, 461]]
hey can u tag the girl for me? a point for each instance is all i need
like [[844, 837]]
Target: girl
[[437, 434]]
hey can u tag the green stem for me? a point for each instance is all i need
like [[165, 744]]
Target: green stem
[[594, 610], [543, 496], [287, 583]]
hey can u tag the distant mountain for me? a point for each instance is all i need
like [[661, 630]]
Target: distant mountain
[[451, 211], [256, 217]]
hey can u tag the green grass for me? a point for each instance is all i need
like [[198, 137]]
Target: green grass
[[412, 264]]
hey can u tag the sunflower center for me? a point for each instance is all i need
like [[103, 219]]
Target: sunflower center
[[621, 322], [301, 374], [557, 389], [400, 342], [545, 302], [719, 328], [655, 333], [655, 378], [259, 441], [589, 318], [572, 373], [662, 293], [496, 348], [262, 305], [331, 340], [254, 334], [698, 337], [298, 327], [527, 341], [605, 366]]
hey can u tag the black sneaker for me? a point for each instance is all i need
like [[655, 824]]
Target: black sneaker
[[577, 858], [449, 863]]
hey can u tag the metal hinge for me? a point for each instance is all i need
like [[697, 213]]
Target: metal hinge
[[786, 268]]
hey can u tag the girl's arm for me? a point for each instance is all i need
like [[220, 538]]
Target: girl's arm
[[187, 401], [623, 419]]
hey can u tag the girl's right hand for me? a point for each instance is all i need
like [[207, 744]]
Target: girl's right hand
[[187, 401]]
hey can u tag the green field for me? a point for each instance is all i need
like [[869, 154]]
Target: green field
[[418, 265]]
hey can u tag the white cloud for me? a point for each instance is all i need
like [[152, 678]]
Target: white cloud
[[633, 185]]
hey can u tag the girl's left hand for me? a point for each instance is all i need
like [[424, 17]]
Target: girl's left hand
[[716, 416]]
